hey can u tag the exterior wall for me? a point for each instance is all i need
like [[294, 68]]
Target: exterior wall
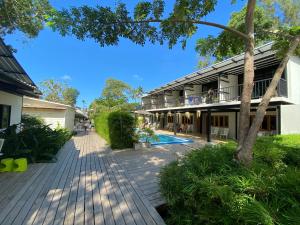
[[231, 122], [195, 90], [290, 121], [293, 79], [16, 103], [70, 119], [170, 98], [229, 85], [52, 117]]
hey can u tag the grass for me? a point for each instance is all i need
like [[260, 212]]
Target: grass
[[209, 187]]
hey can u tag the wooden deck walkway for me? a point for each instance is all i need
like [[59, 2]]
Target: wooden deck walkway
[[143, 167], [85, 186]]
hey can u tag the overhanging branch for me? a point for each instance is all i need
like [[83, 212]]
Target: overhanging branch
[[230, 29]]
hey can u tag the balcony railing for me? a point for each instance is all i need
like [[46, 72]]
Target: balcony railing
[[226, 94]]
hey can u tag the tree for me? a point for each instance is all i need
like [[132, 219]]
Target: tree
[[70, 96], [52, 90], [27, 16], [115, 92], [136, 93], [58, 92]]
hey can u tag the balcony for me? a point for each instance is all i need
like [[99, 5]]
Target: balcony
[[226, 94]]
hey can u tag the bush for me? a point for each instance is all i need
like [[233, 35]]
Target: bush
[[121, 130], [117, 128], [35, 140], [101, 125], [209, 187]]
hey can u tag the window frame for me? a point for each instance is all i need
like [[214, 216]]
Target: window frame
[[2, 106]]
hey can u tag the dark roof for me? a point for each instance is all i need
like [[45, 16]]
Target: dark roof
[[263, 55], [13, 78]]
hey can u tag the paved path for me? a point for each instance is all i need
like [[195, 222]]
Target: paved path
[[87, 185]]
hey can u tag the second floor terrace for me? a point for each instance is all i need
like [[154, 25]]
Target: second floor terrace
[[222, 82]]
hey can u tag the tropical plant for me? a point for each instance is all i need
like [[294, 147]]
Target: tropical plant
[[146, 135], [34, 140], [208, 187]]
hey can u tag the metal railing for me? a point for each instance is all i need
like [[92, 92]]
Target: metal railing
[[226, 94]]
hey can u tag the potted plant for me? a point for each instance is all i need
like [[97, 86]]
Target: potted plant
[[144, 136]]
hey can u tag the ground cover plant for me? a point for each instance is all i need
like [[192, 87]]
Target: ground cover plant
[[34, 140], [209, 187]]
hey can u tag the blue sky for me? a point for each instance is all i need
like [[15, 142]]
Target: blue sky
[[85, 65]]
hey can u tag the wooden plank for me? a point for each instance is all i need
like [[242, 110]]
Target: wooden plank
[[149, 207]]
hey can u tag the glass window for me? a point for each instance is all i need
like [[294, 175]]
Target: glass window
[[4, 116], [273, 122], [264, 125]]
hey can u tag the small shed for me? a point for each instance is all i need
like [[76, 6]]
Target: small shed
[[52, 113]]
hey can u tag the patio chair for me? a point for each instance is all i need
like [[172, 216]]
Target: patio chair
[[1, 145], [224, 132], [214, 131], [20, 165], [6, 165]]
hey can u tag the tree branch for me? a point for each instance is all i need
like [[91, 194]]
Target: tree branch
[[230, 29]]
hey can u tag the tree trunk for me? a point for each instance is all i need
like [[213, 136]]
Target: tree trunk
[[244, 119], [262, 108]]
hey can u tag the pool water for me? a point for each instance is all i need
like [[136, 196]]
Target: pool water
[[168, 139]]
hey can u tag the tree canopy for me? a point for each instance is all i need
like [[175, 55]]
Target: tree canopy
[[270, 17], [59, 92], [27, 16]]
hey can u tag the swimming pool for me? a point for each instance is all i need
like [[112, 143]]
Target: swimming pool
[[168, 139]]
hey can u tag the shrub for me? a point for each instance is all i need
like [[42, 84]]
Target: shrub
[[121, 130], [101, 125], [209, 187], [117, 128], [35, 140]]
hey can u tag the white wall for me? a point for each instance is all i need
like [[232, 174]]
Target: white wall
[[52, 117], [16, 103], [229, 84], [293, 79], [195, 90], [290, 119], [69, 119]]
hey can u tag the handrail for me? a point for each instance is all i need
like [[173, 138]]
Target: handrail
[[225, 94]]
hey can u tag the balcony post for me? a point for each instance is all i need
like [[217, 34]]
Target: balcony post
[[208, 128], [175, 123]]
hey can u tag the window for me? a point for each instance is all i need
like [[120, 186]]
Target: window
[[186, 120], [4, 116], [219, 121], [170, 119], [269, 123]]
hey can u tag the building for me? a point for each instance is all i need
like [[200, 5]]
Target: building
[[52, 113], [14, 84], [210, 98]]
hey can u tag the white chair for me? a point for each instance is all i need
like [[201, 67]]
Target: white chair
[[214, 131], [1, 145], [224, 132]]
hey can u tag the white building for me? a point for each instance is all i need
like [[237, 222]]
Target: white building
[[52, 113], [14, 84], [210, 97]]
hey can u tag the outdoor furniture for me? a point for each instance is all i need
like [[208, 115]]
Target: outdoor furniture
[[1, 145], [6, 165], [214, 131], [20, 165], [224, 132]]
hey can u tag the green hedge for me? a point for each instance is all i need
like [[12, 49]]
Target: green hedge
[[101, 125], [117, 128], [209, 187]]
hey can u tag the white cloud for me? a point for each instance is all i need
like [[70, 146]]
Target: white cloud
[[66, 77], [137, 77]]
